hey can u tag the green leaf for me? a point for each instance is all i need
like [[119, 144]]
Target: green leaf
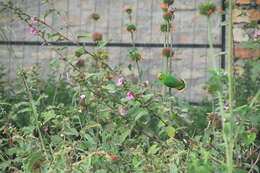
[[90, 139], [32, 160], [53, 35], [43, 96], [48, 12], [24, 110], [110, 87], [55, 63], [102, 44], [71, 132], [124, 135], [84, 36], [140, 114], [48, 115], [170, 131], [56, 139], [153, 149]]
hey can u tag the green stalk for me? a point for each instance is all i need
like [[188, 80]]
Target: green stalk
[[35, 114], [230, 57], [227, 127], [230, 144]]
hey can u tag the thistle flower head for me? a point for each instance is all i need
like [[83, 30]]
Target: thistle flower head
[[164, 27], [207, 8], [165, 7], [97, 36], [79, 52], [167, 52], [128, 10], [131, 28], [80, 62], [167, 16], [169, 2], [95, 16]]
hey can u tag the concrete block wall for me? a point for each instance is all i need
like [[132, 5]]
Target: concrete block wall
[[74, 18]]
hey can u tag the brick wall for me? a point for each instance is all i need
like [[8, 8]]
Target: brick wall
[[246, 17]]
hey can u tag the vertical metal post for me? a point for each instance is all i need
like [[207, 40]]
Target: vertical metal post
[[223, 35]]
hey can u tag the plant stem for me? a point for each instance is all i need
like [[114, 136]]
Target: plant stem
[[230, 57], [230, 143], [227, 133], [140, 73]]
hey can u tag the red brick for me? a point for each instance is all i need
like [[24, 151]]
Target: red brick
[[246, 53], [254, 15], [243, 1], [238, 17]]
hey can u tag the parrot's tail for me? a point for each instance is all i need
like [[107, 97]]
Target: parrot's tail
[[183, 87]]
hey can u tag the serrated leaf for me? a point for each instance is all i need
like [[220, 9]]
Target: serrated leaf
[[170, 131], [140, 114]]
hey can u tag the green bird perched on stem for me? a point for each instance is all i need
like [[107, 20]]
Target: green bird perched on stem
[[171, 81]]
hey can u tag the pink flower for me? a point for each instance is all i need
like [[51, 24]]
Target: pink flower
[[120, 81], [33, 31], [146, 82], [82, 96], [122, 111], [257, 33], [226, 107], [33, 20], [130, 96]]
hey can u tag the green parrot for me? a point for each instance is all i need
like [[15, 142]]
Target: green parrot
[[171, 81]]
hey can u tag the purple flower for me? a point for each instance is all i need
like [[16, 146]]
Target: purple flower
[[120, 81], [122, 111], [146, 82], [226, 107], [257, 33], [33, 31], [130, 96]]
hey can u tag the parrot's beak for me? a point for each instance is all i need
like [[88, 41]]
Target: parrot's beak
[[158, 76]]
